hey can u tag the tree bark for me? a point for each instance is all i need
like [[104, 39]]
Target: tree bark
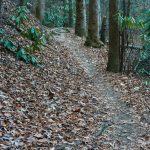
[[80, 28], [70, 13], [39, 9], [0, 7], [114, 41], [124, 36], [93, 38], [103, 30], [65, 14], [21, 2], [34, 7]]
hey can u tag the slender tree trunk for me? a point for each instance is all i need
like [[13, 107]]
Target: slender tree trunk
[[124, 35], [0, 7], [100, 16], [114, 41], [36, 8], [42, 10], [21, 2], [103, 30], [65, 14], [70, 13], [80, 28], [123, 42], [39, 9], [93, 38]]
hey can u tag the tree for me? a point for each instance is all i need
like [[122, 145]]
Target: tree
[[39, 9], [70, 13], [65, 12], [93, 38], [42, 10], [0, 7], [80, 27], [103, 30], [114, 41], [124, 35], [21, 2]]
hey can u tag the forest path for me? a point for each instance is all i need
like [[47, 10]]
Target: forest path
[[70, 103], [122, 125]]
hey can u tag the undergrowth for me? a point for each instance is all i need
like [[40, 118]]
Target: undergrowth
[[20, 19], [142, 23]]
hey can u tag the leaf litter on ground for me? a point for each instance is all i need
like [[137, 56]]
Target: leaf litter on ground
[[59, 106]]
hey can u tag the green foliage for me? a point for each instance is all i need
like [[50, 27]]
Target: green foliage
[[66, 13], [57, 14], [35, 34], [141, 23], [32, 33], [143, 67], [2, 31], [20, 16], [21, 54], [147, 82], [37, 37], [146, 23], [126, 22], [53, 17], [6, 41], [11, 45]]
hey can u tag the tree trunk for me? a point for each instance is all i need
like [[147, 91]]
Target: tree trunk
[[70, 13], [114, 41], [93, 38], [39, 9], [42, 10], [34, 7], [21, 2], [124, 36], [0, 7], [65, 14], [103, 30], [80, 28]]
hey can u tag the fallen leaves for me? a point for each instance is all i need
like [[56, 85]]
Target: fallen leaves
[[66, 105]]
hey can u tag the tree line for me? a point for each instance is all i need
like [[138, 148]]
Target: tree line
[[89, 22]]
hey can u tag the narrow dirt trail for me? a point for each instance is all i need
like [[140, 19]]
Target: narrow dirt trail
[[122, 126]]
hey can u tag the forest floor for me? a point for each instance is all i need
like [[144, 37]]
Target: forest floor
[[71, 102]]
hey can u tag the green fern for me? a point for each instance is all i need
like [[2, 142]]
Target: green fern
[[21, 54], [20, 16]]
